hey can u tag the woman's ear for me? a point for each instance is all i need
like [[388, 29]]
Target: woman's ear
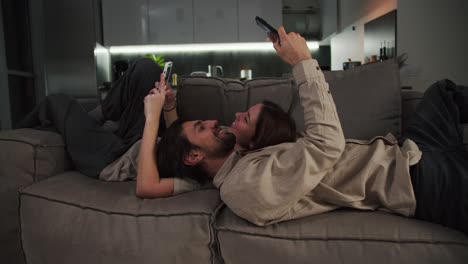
[[193, 158]]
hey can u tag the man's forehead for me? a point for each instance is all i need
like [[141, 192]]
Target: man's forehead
[[187, 125], [190, 127], [190, 124], [187, 130]]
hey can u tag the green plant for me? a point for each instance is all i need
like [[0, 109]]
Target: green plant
[[158, 59]]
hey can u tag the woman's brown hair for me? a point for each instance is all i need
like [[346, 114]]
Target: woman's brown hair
[[274, 126]]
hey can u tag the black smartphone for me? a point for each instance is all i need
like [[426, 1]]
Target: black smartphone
[[271, 31]]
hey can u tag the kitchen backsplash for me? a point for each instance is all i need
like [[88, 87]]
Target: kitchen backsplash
[[262, 64]]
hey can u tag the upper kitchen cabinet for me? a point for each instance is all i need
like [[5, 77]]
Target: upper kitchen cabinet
[[125, 22], [270, 10], [170, 21], [143, 22], [329, 10], [215, 21]]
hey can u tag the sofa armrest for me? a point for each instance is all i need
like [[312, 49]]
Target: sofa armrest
[[30, 155], [26, 156]]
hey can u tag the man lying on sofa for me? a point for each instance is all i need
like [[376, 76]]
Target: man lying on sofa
[[320, 171]]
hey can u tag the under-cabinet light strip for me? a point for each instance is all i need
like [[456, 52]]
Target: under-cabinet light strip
[[211, 47]]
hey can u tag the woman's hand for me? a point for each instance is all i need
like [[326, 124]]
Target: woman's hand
[[170, 101], [154, 101], [149, 184], [170, 105], [293, 48]]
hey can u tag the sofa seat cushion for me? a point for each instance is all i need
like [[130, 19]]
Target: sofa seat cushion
[[85, 220], [340, 236]]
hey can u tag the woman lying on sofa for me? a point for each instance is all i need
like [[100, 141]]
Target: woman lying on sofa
[[425, 176]]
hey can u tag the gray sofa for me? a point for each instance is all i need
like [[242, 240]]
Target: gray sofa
[[61, 216]]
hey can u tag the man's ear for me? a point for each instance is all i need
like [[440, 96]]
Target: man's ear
[[193, 158]]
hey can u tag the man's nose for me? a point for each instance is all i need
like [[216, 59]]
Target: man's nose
[[212, 123], [239, 115]]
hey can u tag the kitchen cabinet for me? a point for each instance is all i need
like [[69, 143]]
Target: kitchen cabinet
[[215, 21], [170, 21], [125, 22], [270, 10], [329, 10], [143, 22]]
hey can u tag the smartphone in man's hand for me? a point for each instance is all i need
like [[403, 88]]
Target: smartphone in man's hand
[[271, 31], [167, 71]]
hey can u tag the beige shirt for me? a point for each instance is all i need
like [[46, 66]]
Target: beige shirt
[[320, 171]]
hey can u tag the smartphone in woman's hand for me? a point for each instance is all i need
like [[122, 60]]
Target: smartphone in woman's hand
[[271, 31], [167, 71]]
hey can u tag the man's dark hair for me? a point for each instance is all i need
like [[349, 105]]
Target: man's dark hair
[[171, 151], [274, 126]]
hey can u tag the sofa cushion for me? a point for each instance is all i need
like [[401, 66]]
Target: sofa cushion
[[85, 220], [205, 98], [26, 156], [219, 99], [368, 99], [32, 155], [341, 236]]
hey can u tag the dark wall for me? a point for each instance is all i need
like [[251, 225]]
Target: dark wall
[[70, 37], [64, 33], [20, 78]]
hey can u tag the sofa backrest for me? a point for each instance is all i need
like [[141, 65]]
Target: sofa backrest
[[368, 98], [220, 99]]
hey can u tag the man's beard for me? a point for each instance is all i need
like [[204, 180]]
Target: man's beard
[[224, 146]]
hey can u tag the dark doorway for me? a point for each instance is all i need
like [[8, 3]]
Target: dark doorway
[[19, 61]]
